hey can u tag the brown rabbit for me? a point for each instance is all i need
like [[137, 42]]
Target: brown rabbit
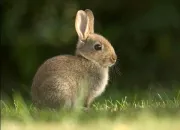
[[61, 80]]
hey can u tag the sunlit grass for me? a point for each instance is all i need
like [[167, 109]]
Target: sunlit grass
[[157, 111]]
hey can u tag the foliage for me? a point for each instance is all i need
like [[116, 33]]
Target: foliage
[[145, 35]]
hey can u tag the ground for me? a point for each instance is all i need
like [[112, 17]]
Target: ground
[[150, 111]]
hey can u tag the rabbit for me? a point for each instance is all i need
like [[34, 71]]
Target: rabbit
[[61, 80]]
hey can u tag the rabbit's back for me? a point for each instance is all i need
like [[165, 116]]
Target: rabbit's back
[[56, 81], [59, 66]]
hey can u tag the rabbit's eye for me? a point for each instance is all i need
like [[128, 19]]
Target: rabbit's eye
[[97, 47]]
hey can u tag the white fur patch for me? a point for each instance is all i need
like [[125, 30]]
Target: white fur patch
[[102, 84]]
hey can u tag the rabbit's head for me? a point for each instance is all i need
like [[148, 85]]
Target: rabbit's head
[[92, 46]]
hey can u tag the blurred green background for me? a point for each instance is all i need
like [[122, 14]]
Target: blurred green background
[[144, 33]]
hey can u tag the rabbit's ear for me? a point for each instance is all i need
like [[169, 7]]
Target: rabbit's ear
[[90, 20], [81, 24]]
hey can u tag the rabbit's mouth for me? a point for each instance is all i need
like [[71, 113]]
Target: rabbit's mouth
[[104, 62], [110, 65], [109, 62]]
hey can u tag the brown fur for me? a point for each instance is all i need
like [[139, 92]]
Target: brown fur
[[61, 80]]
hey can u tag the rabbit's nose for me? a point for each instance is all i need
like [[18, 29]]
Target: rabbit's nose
[[113, 58]]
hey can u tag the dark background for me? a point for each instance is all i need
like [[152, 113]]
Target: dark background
[[144, 33]]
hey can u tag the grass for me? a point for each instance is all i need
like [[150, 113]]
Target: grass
[[151, 110]]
